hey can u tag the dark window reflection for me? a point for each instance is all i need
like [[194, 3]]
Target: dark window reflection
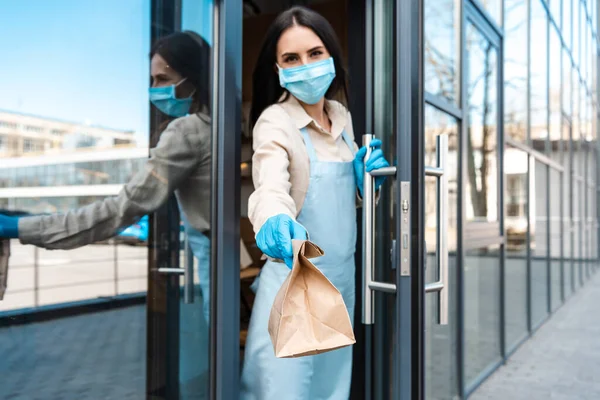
[[441, 48], [482, 310], [482, 165]]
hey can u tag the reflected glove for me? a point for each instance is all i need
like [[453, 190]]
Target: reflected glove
[[275, 237], [376, 161], [9, 227]]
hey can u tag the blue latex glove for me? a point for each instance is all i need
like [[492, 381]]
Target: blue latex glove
[[275, 237], [376, 161], [9, 227]]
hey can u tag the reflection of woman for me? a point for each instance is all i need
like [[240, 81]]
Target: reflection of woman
[[306, 173], [180, 162]]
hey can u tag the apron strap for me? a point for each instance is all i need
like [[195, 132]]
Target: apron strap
[[310, 149], [348, 141]]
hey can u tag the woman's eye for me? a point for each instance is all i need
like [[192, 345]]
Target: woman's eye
[[290, 59], [316, 53]]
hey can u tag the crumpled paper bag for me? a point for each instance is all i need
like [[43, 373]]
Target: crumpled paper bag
[[4, 255], [309, 315]]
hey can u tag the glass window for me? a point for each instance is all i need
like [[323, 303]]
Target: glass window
[[566, 22], [567, 84], [515, 70], [555, 10], [555, 93], [98, 76], [482, 143], [555, 238], [539, 242], [441, 49], [494, 8], [590, 58], [539, 76], [582, 39], [515, 270], [482, 310], [576, 34], [566, 197], [576, 107], [440, 353]]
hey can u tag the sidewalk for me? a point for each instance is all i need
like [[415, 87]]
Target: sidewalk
[[89, 357], [561, 361]]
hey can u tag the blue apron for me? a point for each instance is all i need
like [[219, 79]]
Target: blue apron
[[329, 216], [194, 324]]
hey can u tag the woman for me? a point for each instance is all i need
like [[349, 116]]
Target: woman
[[306, 174], [180, 162]]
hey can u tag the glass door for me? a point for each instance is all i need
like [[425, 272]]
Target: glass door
[[482, 166], [193, 278], [405, 278]]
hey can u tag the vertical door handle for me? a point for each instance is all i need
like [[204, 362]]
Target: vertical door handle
[[188, 274], [441, 173], [369, 285]]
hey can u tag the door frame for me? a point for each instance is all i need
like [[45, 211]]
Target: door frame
[[225, 222], [407, 377], [162, 354]]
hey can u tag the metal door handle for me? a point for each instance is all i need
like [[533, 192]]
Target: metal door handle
[[187, 272], [369, 285], [441, 173]]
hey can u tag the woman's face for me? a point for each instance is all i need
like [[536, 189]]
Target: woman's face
[[299, 45], [163, 75]]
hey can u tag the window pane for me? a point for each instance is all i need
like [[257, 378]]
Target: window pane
[[539, 243], [566, 84], [441, 48], [567, 196], [576, 37], [555, 10], [439, 350], [515, 70], [515, 279], [494, 8], [539, 76], [482, 152], [75, 110], [482, 310], [567, 22], [555, 238], [576, 104], [554, 93]]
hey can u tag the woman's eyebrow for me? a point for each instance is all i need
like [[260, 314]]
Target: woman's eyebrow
[[315, 49], [289, 54]]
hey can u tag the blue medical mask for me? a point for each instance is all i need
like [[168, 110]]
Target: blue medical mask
[[308, 83], [165, 100]]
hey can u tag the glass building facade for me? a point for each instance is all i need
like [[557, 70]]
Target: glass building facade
[[519, 78], [488, 114]]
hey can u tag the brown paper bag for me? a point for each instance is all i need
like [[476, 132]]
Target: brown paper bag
[[4, 254], [308, 315]]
